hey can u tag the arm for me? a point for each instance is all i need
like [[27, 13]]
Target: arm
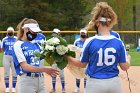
[[76, 62], [1, 46], [30, 68], [1, 49], [126, 65]]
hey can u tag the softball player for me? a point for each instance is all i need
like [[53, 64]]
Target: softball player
[[7, 47], [26, 65], [102, 53], [38, 40], [79, 43], [56, 32]]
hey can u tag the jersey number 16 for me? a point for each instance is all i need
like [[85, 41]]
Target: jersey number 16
[[105, 52]]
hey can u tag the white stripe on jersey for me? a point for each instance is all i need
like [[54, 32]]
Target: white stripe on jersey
[[18, 51], [85, 44]]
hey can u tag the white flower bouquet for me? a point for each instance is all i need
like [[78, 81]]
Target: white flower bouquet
[[53, 51]]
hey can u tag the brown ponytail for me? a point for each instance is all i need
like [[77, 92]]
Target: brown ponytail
[[20, 30], [102, 9]]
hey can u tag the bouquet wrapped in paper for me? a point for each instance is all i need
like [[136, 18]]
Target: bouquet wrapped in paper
[[53, 50], [76, 71]]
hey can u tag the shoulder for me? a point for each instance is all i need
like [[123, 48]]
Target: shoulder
[[15, 37], [91, 38], [77, 40], [41, 34], [18, 43], [5, 38], [115, 34], [88, 40]]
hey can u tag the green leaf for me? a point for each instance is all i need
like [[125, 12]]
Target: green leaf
[[57, 57], [49, 60], [62, 41], [71, 53], [63, 64], [37, 54]]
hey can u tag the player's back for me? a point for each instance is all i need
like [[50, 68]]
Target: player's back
[[103, 53]]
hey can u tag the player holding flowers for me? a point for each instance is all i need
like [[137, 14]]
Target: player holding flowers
[[102, 53]]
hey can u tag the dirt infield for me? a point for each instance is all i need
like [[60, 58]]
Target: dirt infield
[[134, 75]]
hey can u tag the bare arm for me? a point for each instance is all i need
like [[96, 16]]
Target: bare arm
[[76, 62], [126, 65], [30, 68], [1, 49]]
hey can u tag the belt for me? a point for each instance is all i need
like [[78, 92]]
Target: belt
[[35, 74]]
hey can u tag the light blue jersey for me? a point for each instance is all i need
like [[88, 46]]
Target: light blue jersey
[[38, 38], [24, 51], [79, 43], [103, 53], [7, 44]]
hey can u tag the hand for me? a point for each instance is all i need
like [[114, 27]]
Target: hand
[[52, 72]]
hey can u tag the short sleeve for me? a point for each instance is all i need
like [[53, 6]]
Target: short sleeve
[[18, 52], [123, 56]]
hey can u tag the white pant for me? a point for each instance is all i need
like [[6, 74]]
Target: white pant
[[7, 64], [29, 84], [111, 85]]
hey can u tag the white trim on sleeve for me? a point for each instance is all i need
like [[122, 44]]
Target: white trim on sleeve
[[18, 52]]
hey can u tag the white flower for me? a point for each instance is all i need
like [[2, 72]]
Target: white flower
[[53, 41], [41, 47], [51, 48], [41, 52], [42, 41], [61, 49]]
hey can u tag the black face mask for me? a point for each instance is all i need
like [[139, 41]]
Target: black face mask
[[96, 28], [30, 36], [83, 36], [10, 33]]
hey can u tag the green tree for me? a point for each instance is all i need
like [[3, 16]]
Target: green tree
[[11, 12], [63, 14]]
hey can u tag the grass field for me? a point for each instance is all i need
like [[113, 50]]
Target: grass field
[[135, 58]]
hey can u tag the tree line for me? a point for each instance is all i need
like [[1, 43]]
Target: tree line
[[66, 14]]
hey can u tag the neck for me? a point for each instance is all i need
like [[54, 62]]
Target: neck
[[24, 38], [83, 39], [105, 31], [11, 36]]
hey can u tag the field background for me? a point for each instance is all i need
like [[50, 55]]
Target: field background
[[135, 57], [133, 72]]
